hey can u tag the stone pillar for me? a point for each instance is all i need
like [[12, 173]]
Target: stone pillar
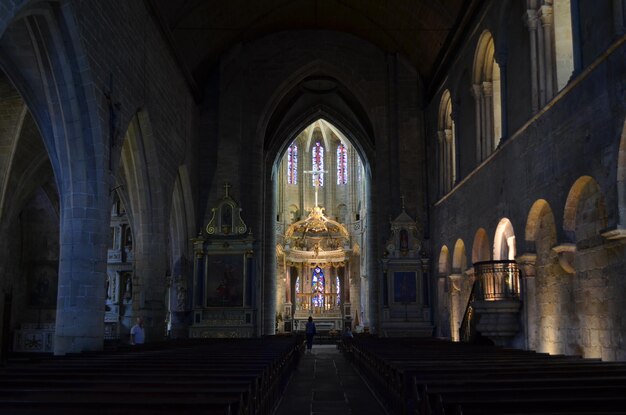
[[541, 65], [477, 94], [531, 23], [488, 116], [456, 310], [501, 61], [526, 263], [287, 284], [449, 162], [85, 226], [546, 16], [443, 318]]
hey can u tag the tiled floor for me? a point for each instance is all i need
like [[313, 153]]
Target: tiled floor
[[326, 383]]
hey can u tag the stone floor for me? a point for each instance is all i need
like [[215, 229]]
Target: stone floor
[[326, 383]]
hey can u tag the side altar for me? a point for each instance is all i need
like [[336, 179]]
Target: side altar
[[405, 303], [224, 284]]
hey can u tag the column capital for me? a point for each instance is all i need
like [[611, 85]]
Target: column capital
[[545, 14], [441, 135], [476, 91], [526, 262], [487, 89], [531, 19]]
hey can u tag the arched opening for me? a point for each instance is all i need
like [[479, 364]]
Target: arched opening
[[318, 259], [29, 230], [585, 217], [552, 286], [487, 90], [447, 144], [504, 241], [480, 247]]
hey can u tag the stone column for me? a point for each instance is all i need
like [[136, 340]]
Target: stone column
[[541, 65], [531, 23], [456, 310], [85, 229], [288, 284], [526, 263], [449, 158], [501, 61], [477, 94], [488, 116], [547, 21]]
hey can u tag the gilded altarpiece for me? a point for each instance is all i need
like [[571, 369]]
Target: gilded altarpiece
[[405, 293], [224, 282]]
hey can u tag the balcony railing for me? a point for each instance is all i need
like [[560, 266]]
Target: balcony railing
[[497, 280]]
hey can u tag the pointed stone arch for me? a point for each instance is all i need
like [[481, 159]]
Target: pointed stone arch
[[293, 111], [43, 37]]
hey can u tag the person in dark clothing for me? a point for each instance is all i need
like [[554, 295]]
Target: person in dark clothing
[[310, 332]]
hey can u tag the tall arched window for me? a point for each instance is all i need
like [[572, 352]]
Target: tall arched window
[[447, 146], [342, 164], [292, 164], [486, 91], [551, 49], [317, 159]]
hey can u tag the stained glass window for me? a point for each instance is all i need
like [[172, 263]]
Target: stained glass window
[[292, 164], [342, 164], [298, 285], [358, 169], [318, 164], [317, 287], [338, 290]]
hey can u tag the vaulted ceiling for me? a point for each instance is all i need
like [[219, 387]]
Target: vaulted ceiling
[[201, 30]]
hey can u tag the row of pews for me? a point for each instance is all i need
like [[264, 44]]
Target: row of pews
[[209, 376], [430, 376]]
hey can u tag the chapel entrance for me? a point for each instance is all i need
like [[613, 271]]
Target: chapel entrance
[[321, 221]]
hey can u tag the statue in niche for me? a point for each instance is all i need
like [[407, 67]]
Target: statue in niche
[[111, 287], [128, 287], [181, 293], [128, 239]]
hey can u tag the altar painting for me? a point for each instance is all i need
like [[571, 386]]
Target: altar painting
[[404, 287], [225, 280]]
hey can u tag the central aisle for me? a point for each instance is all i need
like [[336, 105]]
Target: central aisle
[[326, 383]]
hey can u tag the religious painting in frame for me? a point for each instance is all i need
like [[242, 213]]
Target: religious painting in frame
[[225, 280], [404, 287]]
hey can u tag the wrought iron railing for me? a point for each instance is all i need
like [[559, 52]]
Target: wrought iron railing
[[497, 280], [467, 331]]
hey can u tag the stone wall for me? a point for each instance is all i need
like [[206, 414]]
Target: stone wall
[[567, 156]]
